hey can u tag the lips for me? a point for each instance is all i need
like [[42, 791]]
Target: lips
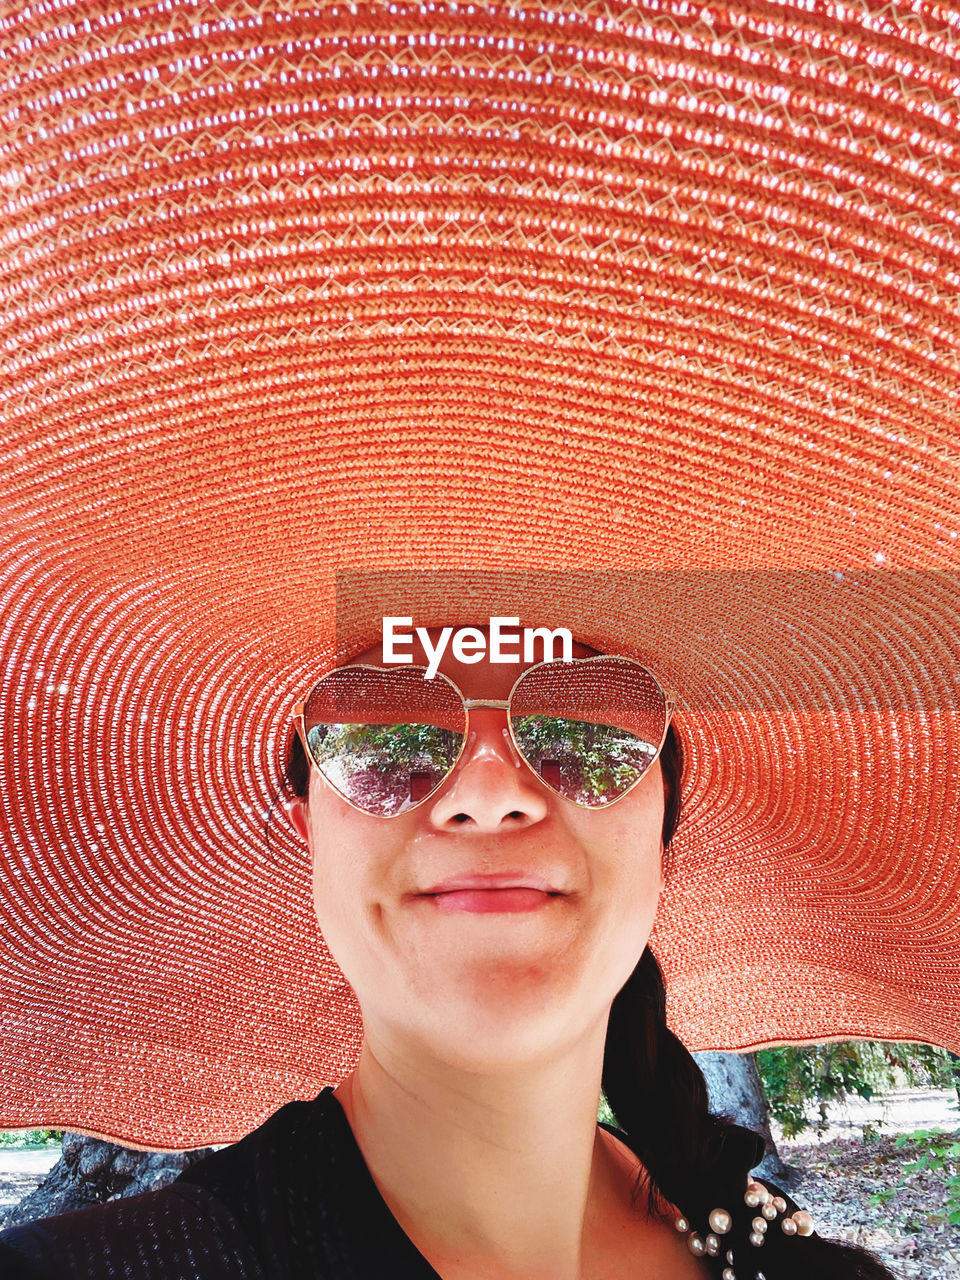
[[506, 892]]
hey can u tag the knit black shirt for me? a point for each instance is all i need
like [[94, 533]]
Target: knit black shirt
[[293, 1200]]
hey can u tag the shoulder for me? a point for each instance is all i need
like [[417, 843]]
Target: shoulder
[[294, 1197], [207, 1225], [170, 1234], [742, 1216], [300, 1145]]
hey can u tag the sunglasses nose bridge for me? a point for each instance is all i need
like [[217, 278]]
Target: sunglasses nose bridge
[[471, 705]]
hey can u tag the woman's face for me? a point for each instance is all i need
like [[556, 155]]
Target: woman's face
[[485, 989]]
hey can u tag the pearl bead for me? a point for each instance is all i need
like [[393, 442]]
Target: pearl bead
[[789, 1227], [696, 1245], [752, 1198], [720, 1221], [769, 1211], [759, 1225], [730, 1256], [756, 1238], [780, 1203], [713, 1245], [804, 1223], [728, 1273], [682, 1224]]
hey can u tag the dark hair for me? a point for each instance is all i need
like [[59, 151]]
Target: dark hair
[[695, 1160], [296, 773]]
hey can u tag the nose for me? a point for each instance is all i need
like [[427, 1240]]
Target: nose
[[491, 789]]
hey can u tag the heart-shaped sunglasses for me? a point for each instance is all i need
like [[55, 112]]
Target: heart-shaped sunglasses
[[386, 738]]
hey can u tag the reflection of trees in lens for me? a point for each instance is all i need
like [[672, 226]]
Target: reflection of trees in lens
[[372, 764], [597, 762]]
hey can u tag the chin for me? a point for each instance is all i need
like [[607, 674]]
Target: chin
[[509, 1019]]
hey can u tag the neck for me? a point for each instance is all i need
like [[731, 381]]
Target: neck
[[494, 1175]]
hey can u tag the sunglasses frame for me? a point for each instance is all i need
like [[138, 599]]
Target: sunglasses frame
[[501, 704]]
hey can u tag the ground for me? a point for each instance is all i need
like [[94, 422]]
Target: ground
[[22, 1169], [909, 1232]]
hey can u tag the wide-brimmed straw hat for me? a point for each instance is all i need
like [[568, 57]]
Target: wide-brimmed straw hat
[[643, 321]]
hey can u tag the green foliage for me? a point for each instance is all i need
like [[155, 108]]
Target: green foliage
[[374, 745], [596, 760], [936, 1151], [798, 1081], [30, 1137], [794, 1078]]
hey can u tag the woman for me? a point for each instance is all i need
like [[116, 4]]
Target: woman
[[494, 932]]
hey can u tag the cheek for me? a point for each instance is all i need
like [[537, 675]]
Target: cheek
[[633, 830], [338, 872], [622, 850], [353, 861], [633, 864], [638, 878]]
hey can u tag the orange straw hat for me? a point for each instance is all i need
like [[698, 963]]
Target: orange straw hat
[[643, 321]]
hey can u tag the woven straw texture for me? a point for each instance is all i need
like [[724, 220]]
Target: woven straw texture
[[643, 321]]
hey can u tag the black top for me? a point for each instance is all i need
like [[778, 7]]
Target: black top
[[293, 1200]]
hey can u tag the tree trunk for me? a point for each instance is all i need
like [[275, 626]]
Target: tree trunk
[[91, 1171], [735, 1091]]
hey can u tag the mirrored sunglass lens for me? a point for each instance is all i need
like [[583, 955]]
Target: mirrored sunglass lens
[[384, 739], [590, 731], [591, 764]]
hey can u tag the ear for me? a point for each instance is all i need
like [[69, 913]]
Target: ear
[[297, 813]]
